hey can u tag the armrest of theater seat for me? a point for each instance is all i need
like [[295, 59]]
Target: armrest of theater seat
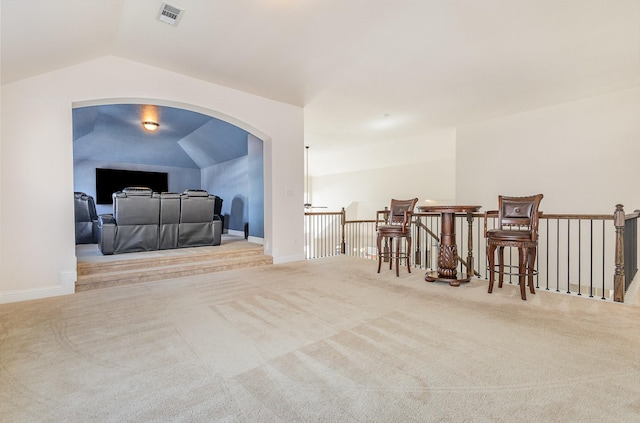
[[106, 233], [196, 193], [95, 231], [217, 232]]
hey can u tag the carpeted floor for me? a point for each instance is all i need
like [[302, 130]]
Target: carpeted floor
[[326, 340]]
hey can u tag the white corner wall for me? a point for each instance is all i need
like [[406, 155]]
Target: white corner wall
[[583, 156], [37, 244], [421, 166]]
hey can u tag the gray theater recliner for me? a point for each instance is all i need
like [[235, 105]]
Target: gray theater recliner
[[197, 226], [86, 218], [134, 224], [169, 220]]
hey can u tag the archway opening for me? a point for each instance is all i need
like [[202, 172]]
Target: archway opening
[[194, 147]]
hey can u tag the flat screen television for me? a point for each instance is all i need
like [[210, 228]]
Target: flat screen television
[[109, 181]]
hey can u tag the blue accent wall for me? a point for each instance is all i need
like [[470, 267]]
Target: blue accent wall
[[230, 181]]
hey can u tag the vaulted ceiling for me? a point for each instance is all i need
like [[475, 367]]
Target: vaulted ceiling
[[114, 133], [366, 71]]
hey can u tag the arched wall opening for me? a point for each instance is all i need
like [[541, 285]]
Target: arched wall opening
[[195, 147], [38, 159]]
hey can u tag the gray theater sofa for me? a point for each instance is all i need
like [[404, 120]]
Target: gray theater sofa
[[144, 220], [86, 218]]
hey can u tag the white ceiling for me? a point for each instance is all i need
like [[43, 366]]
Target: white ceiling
[[427, 64]]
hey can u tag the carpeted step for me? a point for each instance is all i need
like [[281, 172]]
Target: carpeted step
[[98, 271], [139, 271], [133, 261]]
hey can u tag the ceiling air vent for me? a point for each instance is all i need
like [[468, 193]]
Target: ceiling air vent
[[170, 14]]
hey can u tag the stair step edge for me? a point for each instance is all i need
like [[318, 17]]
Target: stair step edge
[[101, 267], [207, 263], [177, 272]]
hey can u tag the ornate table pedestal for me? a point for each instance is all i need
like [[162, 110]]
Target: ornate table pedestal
[[448, 256]]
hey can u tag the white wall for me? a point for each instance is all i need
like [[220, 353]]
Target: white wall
[[422, 166], [36, 163], [583, 156]]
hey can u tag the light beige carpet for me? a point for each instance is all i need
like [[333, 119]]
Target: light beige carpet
[[327, 340]]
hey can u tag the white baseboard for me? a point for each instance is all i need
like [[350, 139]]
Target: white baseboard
[[35, 294], [288, 259], [256, 240], [67, 286]]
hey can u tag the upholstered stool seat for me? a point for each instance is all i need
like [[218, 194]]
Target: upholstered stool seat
[[391, 229], [515, 235]]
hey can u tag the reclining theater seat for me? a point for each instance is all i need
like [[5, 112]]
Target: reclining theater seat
[[86, 218], [197, 225], [169, 220], [134, 224]]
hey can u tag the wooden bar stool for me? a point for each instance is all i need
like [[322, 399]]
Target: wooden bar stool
[[397, 225], [517, 227]]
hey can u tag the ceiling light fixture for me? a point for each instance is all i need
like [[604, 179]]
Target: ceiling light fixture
[[150, 126]]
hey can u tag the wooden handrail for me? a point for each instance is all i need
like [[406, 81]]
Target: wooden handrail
[[619, 219]]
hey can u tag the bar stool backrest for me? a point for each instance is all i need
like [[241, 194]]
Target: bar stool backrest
[[519, 213]]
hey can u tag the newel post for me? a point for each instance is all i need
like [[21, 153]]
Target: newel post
[[343, 222], [618, 278]]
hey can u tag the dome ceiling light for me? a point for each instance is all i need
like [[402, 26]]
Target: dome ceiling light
[[150, 126], [149, 116]]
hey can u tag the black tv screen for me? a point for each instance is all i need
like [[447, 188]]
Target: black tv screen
[[109, 181]]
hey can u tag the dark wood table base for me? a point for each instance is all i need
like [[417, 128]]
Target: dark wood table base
[[432, 276], [448, 255]]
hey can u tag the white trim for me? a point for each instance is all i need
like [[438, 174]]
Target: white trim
[[67, 286], [256, 240], [235, 233], [288, 259], [36, 294]]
